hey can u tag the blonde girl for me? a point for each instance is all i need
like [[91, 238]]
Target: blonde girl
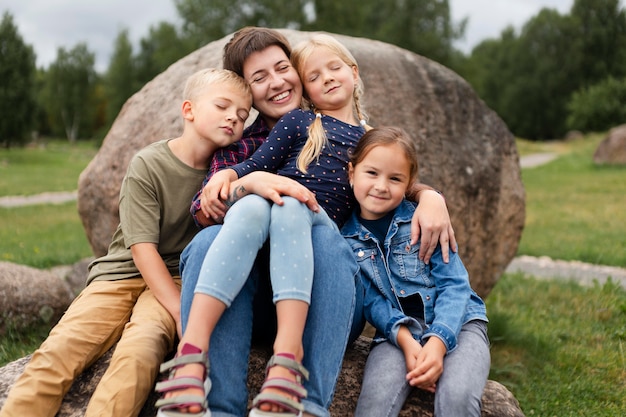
[[310, 146]]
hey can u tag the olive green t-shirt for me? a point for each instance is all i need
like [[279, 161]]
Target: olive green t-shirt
[[154, 208]]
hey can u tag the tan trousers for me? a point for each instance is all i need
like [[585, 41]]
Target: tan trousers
[[106, 312]]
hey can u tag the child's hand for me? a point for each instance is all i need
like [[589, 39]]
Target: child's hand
[[428, 365], [215, 193]]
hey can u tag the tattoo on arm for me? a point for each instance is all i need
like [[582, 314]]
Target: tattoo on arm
[[237, 193]]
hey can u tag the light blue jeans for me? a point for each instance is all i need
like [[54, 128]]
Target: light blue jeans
[[229, 260], [326, 333], [459, 389]]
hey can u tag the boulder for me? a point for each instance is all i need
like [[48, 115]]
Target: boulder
[[612, 150], [30, 296], [465, 149], [497, 399]]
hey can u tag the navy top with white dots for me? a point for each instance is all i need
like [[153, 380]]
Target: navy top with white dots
[[327, 176]]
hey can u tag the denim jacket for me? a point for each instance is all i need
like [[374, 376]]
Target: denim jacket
[[395, 270]]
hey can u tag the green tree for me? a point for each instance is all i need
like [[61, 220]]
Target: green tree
[[121, 77], [598, 107], [69, 92], [601, 31], [17, 81], [527, 79], [204, 21], [158, 50], [421, 26]]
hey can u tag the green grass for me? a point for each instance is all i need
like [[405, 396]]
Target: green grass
[[560, 348], [575, 210], [53, 166], [42, 236]]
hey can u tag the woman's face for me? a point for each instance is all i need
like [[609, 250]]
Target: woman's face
[[276, 87]]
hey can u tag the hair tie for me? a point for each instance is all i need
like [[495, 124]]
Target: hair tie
[[362, 122], [318, 115]]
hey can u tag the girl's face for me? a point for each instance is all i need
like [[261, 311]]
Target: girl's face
[[380, 180], [329, 81], [276, 87]]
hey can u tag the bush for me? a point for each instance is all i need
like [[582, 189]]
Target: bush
[[598, 107]]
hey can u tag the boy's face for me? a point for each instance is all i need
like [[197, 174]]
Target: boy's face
[[219, 113]]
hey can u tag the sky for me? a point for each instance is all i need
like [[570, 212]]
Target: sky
[[50, 24]]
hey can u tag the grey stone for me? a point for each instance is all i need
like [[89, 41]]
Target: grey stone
[[612, 150], [30, 296]]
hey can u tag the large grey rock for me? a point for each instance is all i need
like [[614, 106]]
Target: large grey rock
[[466, 150], [30, 296], [612, 150], [497, 400]]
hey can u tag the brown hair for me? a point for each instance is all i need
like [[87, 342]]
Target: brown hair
[[386, 135], [317, 137], [248, 40]]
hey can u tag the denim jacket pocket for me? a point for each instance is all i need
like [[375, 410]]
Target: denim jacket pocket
[[408, 266]]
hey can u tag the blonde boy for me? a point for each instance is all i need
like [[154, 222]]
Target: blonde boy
[[132, 297]]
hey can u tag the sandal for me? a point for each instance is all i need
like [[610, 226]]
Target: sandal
[[167, 406], [291, 408]]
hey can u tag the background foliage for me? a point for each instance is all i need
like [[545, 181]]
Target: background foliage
[[560, 72]]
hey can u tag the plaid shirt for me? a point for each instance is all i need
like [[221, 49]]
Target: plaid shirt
[[253, 137]]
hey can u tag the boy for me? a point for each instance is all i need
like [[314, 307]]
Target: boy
[[132, 296]]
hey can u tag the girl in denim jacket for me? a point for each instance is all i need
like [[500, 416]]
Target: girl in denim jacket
[[431, 327]]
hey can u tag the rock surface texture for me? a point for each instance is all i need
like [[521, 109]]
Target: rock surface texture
[[612, 150], [465, 149], [497, 400], [31, 296]]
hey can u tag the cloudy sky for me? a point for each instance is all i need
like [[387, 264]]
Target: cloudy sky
[[50, 24]]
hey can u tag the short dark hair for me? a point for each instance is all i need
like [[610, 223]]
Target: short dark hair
[[248, 40]]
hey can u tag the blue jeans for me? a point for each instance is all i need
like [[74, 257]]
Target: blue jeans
[[246, 227], [459, 389], [326, 333]]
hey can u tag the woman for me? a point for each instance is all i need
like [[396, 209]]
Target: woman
[[261, 56]]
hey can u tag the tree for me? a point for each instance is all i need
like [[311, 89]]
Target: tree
[[601, 31], [121, 76], [204, 21], [70, 84], [598, 107], [421, 26], [161, 48], [17, 81]]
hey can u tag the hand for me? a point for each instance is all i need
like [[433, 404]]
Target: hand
[[432, 220], [273, 186], [428, 365], [215, 192]]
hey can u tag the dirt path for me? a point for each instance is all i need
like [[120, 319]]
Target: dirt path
[[43, 198]]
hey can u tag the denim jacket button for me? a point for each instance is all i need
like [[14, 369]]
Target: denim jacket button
[[402, 292], [428, 297], [360, 254]]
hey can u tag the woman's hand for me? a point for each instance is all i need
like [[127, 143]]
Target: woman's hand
[[432, 220], [215, 193]]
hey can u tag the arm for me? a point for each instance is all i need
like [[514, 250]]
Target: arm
[[158, 279], [432, 220]]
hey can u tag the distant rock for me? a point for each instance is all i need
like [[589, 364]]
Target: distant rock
[[465, 149], [612, 150]]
